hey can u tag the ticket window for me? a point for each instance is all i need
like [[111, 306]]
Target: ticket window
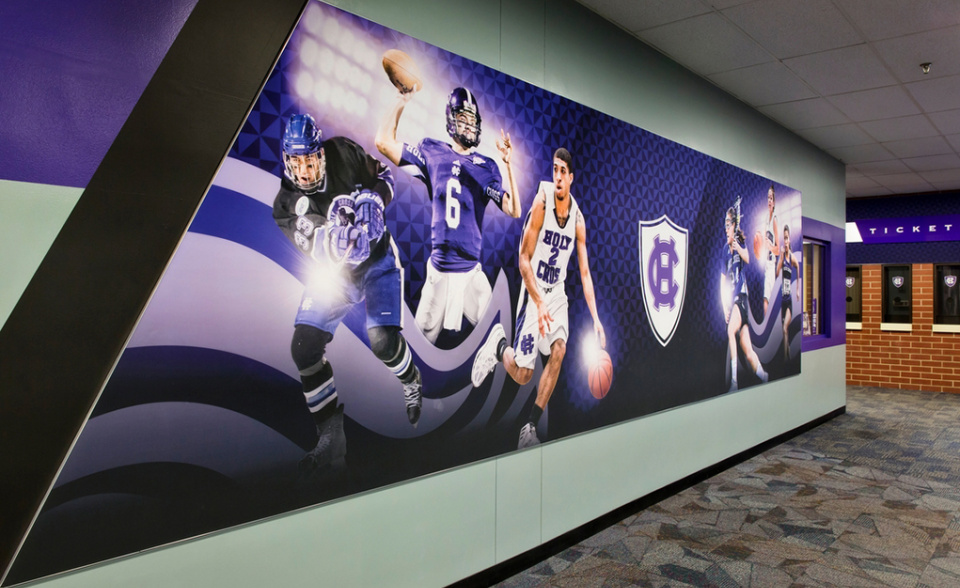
[[946, 294], [813, 287], [854, 297], [896, 299]]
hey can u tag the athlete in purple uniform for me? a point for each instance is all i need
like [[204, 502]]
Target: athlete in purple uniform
[[330, 204], [784, 263], [460, 182], [737, 326]]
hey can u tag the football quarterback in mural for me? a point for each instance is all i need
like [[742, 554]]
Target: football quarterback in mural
[[460, 181]]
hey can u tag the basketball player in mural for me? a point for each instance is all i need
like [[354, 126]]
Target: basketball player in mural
[[460, 182], [331, 205], [785, 266], [771, 250], [738, 327], [553, 228]]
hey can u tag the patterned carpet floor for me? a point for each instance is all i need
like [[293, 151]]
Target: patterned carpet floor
[[870, 498]]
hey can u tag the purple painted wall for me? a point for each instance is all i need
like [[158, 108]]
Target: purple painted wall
[[835, 270], [71, 73]]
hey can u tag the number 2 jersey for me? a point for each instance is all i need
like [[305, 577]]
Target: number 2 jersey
[[555, 244], [459, 187]]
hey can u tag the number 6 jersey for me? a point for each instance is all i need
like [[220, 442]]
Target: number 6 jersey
[[459, 187]]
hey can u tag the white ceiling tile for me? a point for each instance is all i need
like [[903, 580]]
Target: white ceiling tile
[[867, 192], [836, 136], [944, 179], [706, 44], [908, 182], [919, 147], [842, 70], [635, 16], [767, 83], [888, 102], [948, 122], [721, 4], [933, 162], [879, 168], [883, 19], [843, 74], [937, 94], [805, 114], [861, 183], [814, 26], [897, 129], [903, 55]]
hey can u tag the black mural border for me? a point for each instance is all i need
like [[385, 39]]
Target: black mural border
[[63, 338]]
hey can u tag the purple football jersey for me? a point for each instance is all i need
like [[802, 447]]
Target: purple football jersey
[[459, 187]]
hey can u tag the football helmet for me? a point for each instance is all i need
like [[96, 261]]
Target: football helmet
[[303, 160], [463, 118]]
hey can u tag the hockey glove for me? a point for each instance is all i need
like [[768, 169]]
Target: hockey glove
[[347, 244], [369, 207]]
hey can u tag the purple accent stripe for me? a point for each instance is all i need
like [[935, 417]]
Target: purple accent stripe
[[835, 271], [71, 73], [915, 229]]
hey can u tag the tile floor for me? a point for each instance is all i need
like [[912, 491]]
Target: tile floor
[[870, 498]]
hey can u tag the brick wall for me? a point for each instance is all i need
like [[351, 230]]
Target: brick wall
[[919, 360]]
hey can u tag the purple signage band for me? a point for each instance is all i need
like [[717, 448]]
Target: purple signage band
[[916, 229]]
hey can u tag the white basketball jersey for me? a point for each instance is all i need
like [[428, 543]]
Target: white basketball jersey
[[555, 243], [771, 239]]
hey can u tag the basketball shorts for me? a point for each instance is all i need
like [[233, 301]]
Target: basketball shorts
[[528, 342]]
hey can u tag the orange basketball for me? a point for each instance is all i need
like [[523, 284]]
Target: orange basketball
[[757, 244], [601, 375]]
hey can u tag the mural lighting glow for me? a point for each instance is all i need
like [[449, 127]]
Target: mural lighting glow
[[309, 52], [341, 69], [326, 281], [365, 84], [362, 106], [304, 84], [354, 78], [330, 32], [366, 55], [325, 60], [590, 344], [313, 20], [348, 41], [321, 91], [726, 298]]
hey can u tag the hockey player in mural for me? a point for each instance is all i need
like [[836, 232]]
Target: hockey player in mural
[[553, 229], [331, 205]]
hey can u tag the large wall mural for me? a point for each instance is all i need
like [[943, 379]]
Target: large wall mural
[[409, 261]]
